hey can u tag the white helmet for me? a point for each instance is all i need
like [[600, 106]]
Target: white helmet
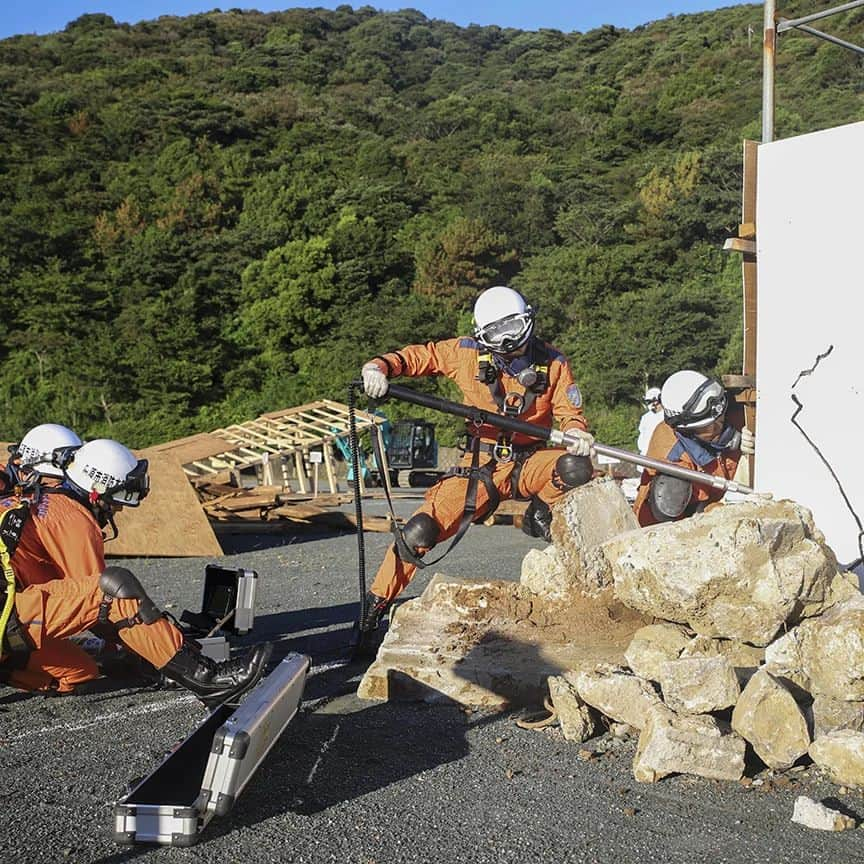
[[652, 395], [503, 321], [107, 472], [692, 400], [36, 450]]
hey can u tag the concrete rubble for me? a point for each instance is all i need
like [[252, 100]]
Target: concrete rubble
[[728, 641], [814, 814]]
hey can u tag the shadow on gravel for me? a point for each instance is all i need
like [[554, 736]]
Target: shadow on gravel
[[237, 544]]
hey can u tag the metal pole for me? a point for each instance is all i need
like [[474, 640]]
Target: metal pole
[[480, 416], [806, 19], [829, 38], [769, 46]]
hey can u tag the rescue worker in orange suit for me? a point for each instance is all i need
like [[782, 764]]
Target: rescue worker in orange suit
[[701, 431], [36, 465], [503, 369], [38, 616]]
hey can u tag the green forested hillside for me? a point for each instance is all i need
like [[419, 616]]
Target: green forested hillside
[[204, 218]]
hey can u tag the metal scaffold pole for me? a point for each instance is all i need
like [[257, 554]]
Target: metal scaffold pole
[[769, 46]]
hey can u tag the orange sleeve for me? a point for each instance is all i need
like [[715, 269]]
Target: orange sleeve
[[72, 540], [566, 397], [413, 361]]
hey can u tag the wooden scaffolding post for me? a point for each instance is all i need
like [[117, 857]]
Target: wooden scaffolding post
[[327, 447], [745, 243]]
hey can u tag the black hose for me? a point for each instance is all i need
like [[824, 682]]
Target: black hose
[[354, 444]]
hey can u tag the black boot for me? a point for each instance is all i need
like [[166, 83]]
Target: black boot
[[537, 520], [216, 682], [366, 642]]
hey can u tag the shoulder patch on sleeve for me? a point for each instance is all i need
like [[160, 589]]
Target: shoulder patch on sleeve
[[574, 394]]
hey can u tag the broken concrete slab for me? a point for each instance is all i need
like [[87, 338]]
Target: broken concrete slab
[[544, 574], [814, 814], [841, 754], [584, 519], [492, 643], [768, 716], [615, 692], [825, 655], [578, 720], [740, 571], [652, 646], [699, 685], [675, 744], [831, 715]]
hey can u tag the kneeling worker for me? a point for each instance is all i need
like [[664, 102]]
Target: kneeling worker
[[37, 617], [504, 368], [701, 432]]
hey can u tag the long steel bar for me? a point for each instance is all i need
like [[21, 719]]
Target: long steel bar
[[788, 23], [480, 416], [769, 48], [829, 38]]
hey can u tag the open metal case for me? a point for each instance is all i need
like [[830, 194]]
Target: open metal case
[[203, 776]]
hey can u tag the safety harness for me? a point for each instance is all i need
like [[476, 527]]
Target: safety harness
[[16, 647], [535, 379]]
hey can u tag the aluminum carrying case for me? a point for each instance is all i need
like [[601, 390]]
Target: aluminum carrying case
[[203, 776]]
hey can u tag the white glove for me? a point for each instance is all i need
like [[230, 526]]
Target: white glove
[[375, 383], [748, 442], [583, 445]]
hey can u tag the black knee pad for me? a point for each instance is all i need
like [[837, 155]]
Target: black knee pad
[[420, 532], [118, 583], [572, 471], [537, 520], [669, 496]]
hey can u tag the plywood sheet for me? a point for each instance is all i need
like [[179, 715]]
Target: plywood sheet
[[195, 447], [170, 521], [809, 335]]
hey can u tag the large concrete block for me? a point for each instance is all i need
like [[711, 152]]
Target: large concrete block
[[768, 716], [841, 754], [699, 685], [701, 745], [492, 643], [582, 521], [740, 571], [615, 692], [825, 655]]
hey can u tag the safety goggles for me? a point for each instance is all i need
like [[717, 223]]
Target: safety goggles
[[649, 402], [507, 334], [705, 406], [134, 488]]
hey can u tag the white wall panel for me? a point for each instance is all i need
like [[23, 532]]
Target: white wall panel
[[810, 246]]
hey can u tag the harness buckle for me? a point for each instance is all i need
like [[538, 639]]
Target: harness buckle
[[503, 450], [513, 404]]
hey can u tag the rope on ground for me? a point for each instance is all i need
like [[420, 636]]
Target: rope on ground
[[538, 720]]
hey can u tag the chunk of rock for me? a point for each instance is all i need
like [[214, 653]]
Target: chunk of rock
[[578, 720], [825, 655], [740, 572], [584, 519], [814, 814], [615, 692], [492, 643], [831, 715], [768, 716], [699, 685], [841, 754], [544, 574], [654, 645], [701, 745]]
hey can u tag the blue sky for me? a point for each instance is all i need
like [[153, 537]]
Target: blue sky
[[46, 16]]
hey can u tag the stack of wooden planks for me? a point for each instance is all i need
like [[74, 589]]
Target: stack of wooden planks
[[265, 509]]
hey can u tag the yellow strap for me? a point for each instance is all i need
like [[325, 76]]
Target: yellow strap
[[8, 575]]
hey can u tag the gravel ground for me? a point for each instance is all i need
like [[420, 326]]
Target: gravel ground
[[363, 782]]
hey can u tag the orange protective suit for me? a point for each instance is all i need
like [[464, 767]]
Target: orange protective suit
[[458, 359], [667, 444], [57, 566], [61, 540]]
